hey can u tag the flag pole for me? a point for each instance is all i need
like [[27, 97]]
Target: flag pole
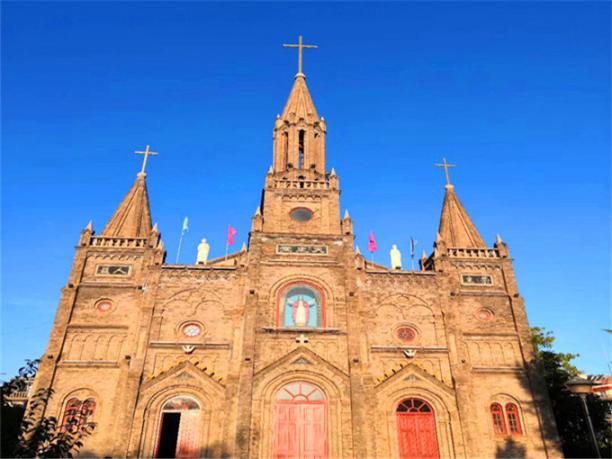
[[178, 252], [183, 231]]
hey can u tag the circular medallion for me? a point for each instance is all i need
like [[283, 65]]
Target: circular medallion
[[191, 330], [485, 314], [406, 334], [104, 305], [301, 214]]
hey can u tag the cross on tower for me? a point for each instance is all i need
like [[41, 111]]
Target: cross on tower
[[300, 46], [446, 166], [146, 154]]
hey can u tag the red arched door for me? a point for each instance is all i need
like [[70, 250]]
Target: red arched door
[[300, 422], [416, 430]]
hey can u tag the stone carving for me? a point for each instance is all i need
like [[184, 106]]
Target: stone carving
[[284, 249], [494, 353], [92, 347], [476, 279], [113, 270]]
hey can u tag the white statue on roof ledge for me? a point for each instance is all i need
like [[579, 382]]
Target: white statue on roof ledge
[[396, 257], [203, 249]]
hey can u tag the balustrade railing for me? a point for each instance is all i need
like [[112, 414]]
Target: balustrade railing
[[473, 253], [302, 184], [127, 242]]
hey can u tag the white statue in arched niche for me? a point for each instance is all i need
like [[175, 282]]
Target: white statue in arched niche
[[301, 306]]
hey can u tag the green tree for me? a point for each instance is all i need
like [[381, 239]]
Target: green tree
[[25, 433], [558, 369]]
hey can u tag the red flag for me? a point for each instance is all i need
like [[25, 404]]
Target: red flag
[[372, 247], [231, 232]]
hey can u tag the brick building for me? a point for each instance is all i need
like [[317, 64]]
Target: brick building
[[297, 347]]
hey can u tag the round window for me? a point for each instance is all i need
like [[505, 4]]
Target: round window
[[406, 334], [301, 214], [485, 314], [191, 330], [104, 305]]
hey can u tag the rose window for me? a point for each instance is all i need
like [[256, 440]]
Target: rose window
[[406, 334], [104, 305], [191, 330], [485, 314]]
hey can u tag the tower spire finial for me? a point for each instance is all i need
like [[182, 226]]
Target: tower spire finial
[[146, 154], [446, 167], [300, 46]]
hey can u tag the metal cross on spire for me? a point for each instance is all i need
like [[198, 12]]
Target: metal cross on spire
[[146, 154], [300, 46], [446, 166]]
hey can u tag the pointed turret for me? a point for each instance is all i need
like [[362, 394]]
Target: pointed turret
[[133, 216], [456, 228], [299, 104], [299, 133]]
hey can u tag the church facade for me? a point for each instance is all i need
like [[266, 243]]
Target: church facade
[[297, 346]]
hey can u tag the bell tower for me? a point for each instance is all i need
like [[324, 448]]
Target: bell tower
[[299, 196], [299, 133]]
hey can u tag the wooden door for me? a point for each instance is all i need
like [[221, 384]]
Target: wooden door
[[416, 430], [300, 431], [313, 431], [187, 445]]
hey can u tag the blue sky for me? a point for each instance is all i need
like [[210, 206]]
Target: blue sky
[[517, 94]]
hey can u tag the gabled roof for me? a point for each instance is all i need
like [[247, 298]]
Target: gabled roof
[[300, 104], [456, 228], [133, 216]]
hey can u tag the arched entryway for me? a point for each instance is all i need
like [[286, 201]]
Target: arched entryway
[[416, 430], [179, 434], [300, 422]]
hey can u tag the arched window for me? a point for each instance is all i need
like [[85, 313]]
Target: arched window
[[514, 422], [497, 417], [297, 391], [414, 405], [301, 305], [78, 415], [180, 404]]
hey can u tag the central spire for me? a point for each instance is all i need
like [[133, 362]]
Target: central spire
[[299, 133]]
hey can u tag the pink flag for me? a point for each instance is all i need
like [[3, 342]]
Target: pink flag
[[372, 247], [231, 232]]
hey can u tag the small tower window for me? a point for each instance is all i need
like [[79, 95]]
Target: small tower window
[[78, 415], [514, 424], [285, 150], [301, 150], [497, 417]]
